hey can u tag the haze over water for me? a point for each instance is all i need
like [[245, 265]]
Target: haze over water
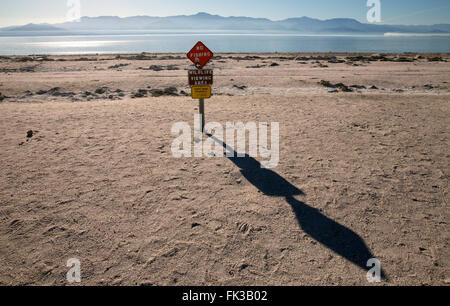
[[21, 43]]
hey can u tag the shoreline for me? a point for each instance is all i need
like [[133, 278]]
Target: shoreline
[[87, 78]]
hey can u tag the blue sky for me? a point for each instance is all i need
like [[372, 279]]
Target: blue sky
[[16, 12]]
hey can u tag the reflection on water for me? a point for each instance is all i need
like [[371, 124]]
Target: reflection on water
[[219, 42], [76, 44]]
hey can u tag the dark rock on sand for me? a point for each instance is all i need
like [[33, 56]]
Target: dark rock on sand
[[404, 60], [23, 59], [156, 68], [336, 61], [118, 66], [170, 57], [243, 87], [56, 93], [63, 94], [327, 84], [171, 91], [358, 86], [274, 65], [343, 87], [156, 92], [101, 90], [29, 134], [172, 67], [340, 86], [141, 93], [140, 57], [436, 59]]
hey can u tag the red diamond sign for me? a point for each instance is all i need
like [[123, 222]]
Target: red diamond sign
[[200, 55]]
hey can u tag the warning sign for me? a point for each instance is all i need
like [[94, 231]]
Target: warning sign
[[201, 92], [200, 55]]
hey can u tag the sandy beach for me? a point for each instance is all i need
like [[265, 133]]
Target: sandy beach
[[87, 172]]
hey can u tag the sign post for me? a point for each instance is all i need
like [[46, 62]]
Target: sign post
[[200, 79], [202, 112]]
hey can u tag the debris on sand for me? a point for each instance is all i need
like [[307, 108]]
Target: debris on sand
[[358, 86], [436, 59], [84, 59], [101, 90], [23, 59], [161, 68], [257, 66], [336, 61], [326, 84], [63, 94], [240, 58], [156, 92], [156, 68], [340, 86], [170, 57], [172, 67], [243, 87], [171, 91], [55, 92], [141, 93], [404, 60], [118, 66], [343, 87], [139, 57]]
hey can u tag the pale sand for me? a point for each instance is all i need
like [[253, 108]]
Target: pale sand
[[97, 181]]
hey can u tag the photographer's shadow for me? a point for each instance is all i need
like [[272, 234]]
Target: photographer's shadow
[[329, 233]]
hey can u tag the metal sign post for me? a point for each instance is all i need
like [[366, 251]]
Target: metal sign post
[[202, 112], [200, 79]]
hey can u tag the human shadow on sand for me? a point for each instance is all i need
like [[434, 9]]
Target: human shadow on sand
[[326, 231]]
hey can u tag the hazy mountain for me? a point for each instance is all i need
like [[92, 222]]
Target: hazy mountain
[[33, 27], [204, 21]]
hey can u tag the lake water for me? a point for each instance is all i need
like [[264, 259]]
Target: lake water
[[159, 42]]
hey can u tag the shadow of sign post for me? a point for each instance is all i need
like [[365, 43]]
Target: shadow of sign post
[[336, 237]]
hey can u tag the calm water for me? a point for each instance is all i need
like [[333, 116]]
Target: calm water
[[153, 42]]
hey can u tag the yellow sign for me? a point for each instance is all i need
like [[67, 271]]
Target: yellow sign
[[201, 92]]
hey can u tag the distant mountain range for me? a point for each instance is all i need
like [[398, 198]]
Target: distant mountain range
[[204, 21]]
